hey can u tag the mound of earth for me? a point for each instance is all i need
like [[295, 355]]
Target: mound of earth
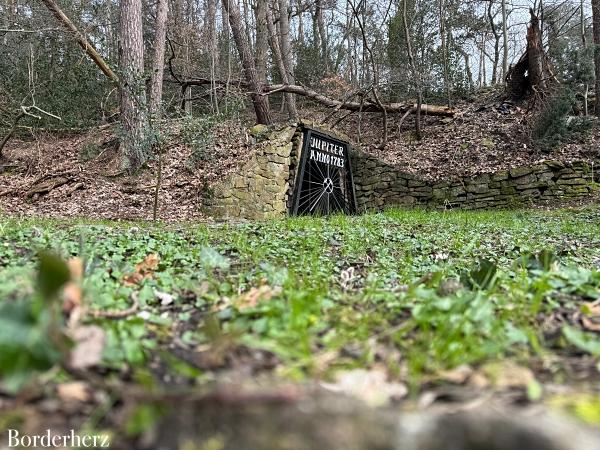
[[487, 136], [76, 175], [48, 177]]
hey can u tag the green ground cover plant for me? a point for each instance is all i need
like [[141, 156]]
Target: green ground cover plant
[[417, 292]]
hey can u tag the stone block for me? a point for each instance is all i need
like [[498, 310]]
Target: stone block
[[240, 183], [279, 159], [408, 200], [555, 164], [484, 178], [500, 176], [520, 171], [440, 193], [539, 168], [525, 179], [477, 188], [545, 176], [571, 181], [531, 193], [457, 190], [575, 174], [415, 183]]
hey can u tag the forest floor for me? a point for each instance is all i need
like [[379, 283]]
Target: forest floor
[[78, 177], [252, 335]]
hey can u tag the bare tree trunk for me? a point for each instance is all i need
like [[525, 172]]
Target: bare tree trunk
[[211, 37], [247, 26], [504, 40], [110, 36], [276, 48], [442, 11], [322, 34], [586, 88], [375, 87], [496, 43], [300, 23], [226, 61], [158, 64], [468, 71], [535, 54], [81, 39], [286, 53], [134, 120], [262, 40], [416, 74], [596, 23], [260, 102]]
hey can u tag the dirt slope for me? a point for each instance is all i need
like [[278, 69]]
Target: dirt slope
[[56, 176]]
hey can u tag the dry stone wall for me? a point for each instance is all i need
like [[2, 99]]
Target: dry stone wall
[[262, 187], [259, 188], [379, 185]]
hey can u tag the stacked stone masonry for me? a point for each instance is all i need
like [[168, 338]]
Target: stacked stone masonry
[[379, 185], [262, 187], [259, 188]]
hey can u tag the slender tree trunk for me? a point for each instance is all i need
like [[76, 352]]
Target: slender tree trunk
[[481, 62], [211, 37], [586, 87], [226, 39], [596, 24], [496, 60], [110, 35], [375, 87], [442, 11], [504, 40], [260, 102], [322, 35], [247, 25], [134, 120], [300, 23], [277, 48], [286, 53], [483, 66], [415, 73], [158, 64], [468, 71], [262, 40]]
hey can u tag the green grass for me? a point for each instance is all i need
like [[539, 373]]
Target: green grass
[[416, 291]]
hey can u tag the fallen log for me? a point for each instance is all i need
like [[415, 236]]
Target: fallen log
[[367, 106], [432, 110]]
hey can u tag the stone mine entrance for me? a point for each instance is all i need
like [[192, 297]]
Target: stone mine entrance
[[324, 183]]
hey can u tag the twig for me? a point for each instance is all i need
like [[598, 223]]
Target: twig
[[116, 314], [412, 110], [25, 111], [337, 122], [158, 182]]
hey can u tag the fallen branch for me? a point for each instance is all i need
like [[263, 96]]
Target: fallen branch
[[87, 46], [48, 186], [431, 110]]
